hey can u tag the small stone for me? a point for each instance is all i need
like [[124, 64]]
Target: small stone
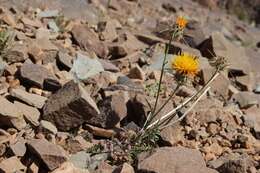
[[136, 73], [68, 167], [17, 53], [33, 23], [48, 13], [245, 99], [213, 128], [31, 99], [125, 168], [81, 159], [11, 165], [108, 66], [53, 26], [84, 67], [74, 145], [52, 155], [18, 149], [35, 74], [34, 168], [64, 60], [10, 116], [42, 33], [48, 127], [31, 114], [88, 40]]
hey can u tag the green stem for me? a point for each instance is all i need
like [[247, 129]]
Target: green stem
[[161, 76]]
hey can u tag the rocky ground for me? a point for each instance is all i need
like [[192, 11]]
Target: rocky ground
[[79, 73]]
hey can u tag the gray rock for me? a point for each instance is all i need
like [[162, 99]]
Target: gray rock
[[84, 67], [18, 149], [53, 26], [31, 114], [35, 74], [69, 107], [48, 13], [52, 155], [42, 33], [108, 66], [80, 159], [10, 115], [174, 160], [64, 60], [245, 99], [48, 127], [31, 99], [96, 160]]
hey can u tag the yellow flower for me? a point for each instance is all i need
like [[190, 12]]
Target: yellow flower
[[181, 22], [186, 64]]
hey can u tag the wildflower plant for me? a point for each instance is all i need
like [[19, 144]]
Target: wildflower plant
[[184, 66]]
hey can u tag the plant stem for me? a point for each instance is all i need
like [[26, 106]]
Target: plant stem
[[151, 117], [186, 101]]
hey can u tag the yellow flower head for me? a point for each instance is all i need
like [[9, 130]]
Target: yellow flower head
[[186, 64], [181, 22]]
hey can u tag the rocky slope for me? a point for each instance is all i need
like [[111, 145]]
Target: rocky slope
[[79, 73]]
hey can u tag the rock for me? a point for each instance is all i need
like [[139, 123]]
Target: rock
[[8, 18], [247, 82], [68, 167], [84, 67], [30, 114], [80, 160], [175, 160], [252, 120], [77, 144], [125, 168], [17, 53], [108, 66], [69, 107], [136, 73], [53, 26], [34, 168], [2, 66], [42, 33], [18, 149], [219, 85], [126, 44], [172, 135], [44, 44], [10, 116], [108, 28], [104, 167], [31, 99], [48, 13], [64, 60], [245, 99], [51, 155], [88, 40], [33, 23], [96, 160], [48, 127], [12, 164], [218, 45], [193, 34], [35, 74], [239, 164], [113, 109]]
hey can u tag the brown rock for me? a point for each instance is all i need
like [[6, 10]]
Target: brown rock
[[18, 53], [35, 74], [104, 168], [12, 164], [68, 167], [136, 73], [252, 120], [174, 160], [125, 168], [51, 155], [112, 110], [10, 116], [31, 99], [69, 107], [31, 114], [88, 40]]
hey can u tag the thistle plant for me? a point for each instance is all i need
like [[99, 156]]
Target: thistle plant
[[185, 67]]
